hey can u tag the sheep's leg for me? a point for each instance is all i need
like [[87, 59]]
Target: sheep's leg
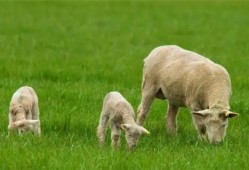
[[148, 95], [32, 128], [35, 116], [29, 115], [101, 130], [171, 119], [115, 136], [10, 130]]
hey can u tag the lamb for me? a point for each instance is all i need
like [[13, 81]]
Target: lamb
[[187, 79], [119, 114], [24, 111]]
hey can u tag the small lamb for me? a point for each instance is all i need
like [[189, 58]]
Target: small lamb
[[24, 111], [119, 114]]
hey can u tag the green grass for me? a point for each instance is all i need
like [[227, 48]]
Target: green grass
[[74, 52]]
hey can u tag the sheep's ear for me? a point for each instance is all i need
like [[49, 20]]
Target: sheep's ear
[[143, 130], [31, 122], [23, 123], [126, 126], [230, 114], [202, 112]]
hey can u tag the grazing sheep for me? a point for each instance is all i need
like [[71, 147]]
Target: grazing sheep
[[119, 114], [24, 111], [190, 80]]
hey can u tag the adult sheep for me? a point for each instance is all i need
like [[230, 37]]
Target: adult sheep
[[187, 79]]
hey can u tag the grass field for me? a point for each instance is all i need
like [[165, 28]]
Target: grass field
[[74, 52]]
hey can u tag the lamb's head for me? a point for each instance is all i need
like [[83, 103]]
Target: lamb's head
[[132, 133], [216, 122], [23, 126]]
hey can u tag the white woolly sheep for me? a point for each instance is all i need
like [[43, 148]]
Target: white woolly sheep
[[187, 79], [119, 114], [24, 111]]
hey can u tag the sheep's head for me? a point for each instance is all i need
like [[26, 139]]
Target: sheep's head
[[132, 134], [216, 122], [23, 126]]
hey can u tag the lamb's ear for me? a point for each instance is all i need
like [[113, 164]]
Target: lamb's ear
[[202, 112], [126, 126], [143, 130], [230, 114], [31, 122]]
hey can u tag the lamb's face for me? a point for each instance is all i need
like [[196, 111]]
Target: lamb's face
[[23, 126], [132, 137], [216, 123], [132, 134]]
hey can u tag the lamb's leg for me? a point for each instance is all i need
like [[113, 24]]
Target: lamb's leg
[[35, 116], [115, 136], [10, 130], [29, 115], [171, 119], [148, 95], [101, 130]]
